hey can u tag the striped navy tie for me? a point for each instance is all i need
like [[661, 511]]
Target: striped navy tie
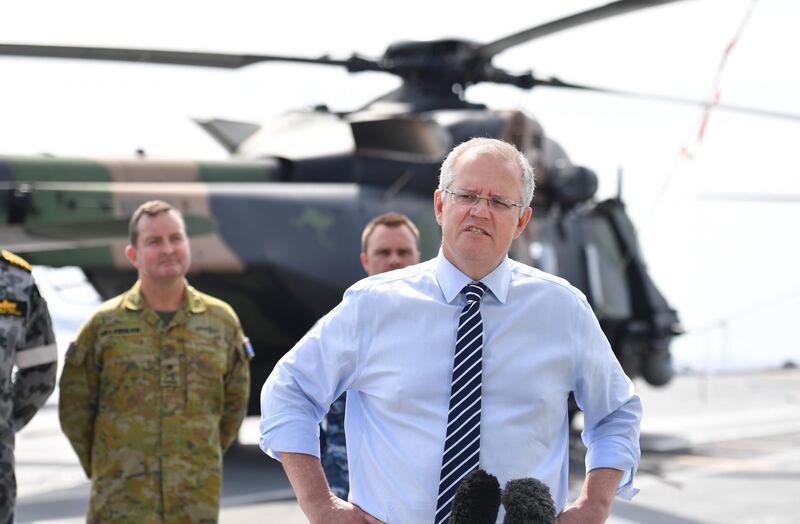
[[462, 444]]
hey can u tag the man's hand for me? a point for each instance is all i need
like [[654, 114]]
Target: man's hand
[[593, 505], [582, 514], [338, 511], [316, 500]]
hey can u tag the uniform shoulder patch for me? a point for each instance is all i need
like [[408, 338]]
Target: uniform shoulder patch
[[248, 348], [15, 260]]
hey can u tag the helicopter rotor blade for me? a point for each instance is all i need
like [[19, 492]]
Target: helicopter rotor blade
[[156, 56], [556, 82], [602, 12], [767, 198]]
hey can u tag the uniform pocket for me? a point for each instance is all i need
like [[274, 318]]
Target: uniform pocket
[[205, 378], [129, 381]]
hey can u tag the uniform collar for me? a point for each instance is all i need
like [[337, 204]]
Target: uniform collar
[[451, 280], [192, 301]]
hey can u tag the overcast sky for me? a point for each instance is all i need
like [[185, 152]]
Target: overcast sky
[[729, 267]]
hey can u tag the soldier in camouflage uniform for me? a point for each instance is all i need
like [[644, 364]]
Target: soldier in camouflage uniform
[[155, 386], [389, 241], [27, 342]]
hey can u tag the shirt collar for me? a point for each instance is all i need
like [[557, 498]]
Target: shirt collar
[[451, 280], [192, 301], [133, 299]]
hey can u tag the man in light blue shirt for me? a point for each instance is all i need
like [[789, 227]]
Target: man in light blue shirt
[[390, 344], [389, 241]]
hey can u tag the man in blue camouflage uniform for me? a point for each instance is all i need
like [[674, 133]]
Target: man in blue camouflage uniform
[[27, 342], [389, 241]]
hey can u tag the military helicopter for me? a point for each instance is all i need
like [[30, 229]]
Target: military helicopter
[[282, 217]]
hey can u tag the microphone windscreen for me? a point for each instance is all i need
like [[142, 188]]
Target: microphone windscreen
[[528, 501], [477, 499]]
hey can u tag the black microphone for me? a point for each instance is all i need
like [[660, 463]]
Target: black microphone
[[528, 501], [477, 499]]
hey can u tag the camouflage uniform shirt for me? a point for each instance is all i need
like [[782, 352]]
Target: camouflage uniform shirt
[[27, 342], [149, 408]]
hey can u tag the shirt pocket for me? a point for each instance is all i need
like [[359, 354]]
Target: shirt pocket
[[130, 378], [205, 377]]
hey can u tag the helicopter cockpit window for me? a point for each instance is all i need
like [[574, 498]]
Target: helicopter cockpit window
[[544, 256], [605, 268]]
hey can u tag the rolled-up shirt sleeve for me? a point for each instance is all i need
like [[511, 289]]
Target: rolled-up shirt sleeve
[[612, 409], [305, 382]]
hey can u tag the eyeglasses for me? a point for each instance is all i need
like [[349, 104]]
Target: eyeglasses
[[467, 199]]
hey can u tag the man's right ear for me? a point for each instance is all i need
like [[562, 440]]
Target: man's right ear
[[437, 205], [130, 254]]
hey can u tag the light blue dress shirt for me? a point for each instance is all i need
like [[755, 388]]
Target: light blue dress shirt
[[390, 344]]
